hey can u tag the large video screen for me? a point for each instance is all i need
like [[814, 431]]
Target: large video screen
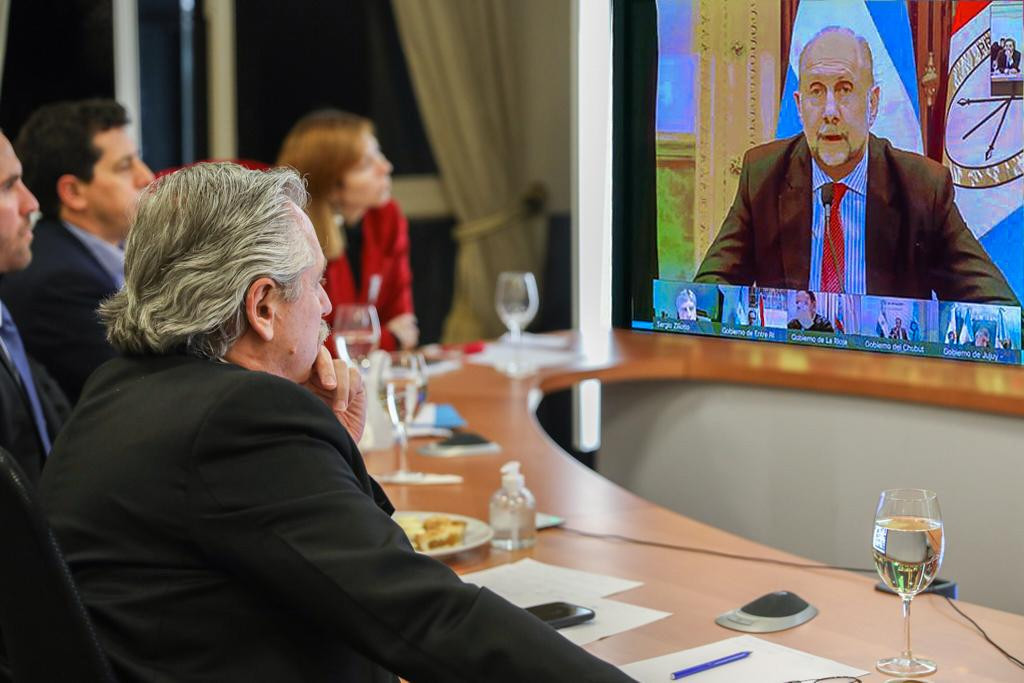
[[881, 211]]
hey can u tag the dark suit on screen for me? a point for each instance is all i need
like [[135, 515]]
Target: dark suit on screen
[[54, 302], [916, 240], [1006, 65], [221, 526], [818, 324]]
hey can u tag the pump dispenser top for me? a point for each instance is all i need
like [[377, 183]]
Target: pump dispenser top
[[511, 478]]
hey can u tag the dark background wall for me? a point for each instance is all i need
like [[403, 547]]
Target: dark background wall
[[56, 50], [172, 83], [343, 54]]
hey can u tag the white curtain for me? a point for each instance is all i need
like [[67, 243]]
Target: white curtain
[[463, 67]]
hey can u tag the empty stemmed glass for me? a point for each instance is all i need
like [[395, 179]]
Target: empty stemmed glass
[[402, 388], [908, 544], [516, 301], [356, 332]]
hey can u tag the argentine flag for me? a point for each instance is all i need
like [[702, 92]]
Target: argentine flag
[[951, 335], [967, 331], [885, 24], [1001, 335]]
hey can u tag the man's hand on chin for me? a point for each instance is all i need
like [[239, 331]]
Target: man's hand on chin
[[341, 388]]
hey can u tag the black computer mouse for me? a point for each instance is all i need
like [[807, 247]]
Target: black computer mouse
[[772, 612], [777, 604]]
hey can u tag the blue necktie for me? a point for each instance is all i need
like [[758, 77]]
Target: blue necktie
[[16, 352]]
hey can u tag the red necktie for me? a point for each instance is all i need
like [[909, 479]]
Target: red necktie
[[833, 256]]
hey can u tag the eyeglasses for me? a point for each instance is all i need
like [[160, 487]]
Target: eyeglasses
[[830, 679]]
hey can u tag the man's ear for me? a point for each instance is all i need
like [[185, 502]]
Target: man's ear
[[796, 98], [873, 98], [261, 301], [69, 192]]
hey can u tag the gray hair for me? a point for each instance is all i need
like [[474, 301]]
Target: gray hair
[[865, 58], [686, 295], [200, 237]]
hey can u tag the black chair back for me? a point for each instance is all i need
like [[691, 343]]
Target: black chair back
[[45, 627]]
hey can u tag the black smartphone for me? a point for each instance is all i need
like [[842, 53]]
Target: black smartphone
[[561, 614]]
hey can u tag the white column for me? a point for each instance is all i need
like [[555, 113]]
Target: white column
[[591, 167], [221, 79], [5, 12], [591, 203], [126, 62], [586, 415]]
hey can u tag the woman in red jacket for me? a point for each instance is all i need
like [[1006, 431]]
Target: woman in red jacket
[[362, 231]]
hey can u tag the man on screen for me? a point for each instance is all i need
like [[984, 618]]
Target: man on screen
[[897, 331], [982, 340], [807, 317], [686, 305], [1008, 61], [890, 227]]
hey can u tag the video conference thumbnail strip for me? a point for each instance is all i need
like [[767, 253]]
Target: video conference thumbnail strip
[[942, 329]]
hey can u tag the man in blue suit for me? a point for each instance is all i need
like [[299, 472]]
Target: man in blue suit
[[84, 167], [32, 407]]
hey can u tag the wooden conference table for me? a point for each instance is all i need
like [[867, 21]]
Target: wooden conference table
[[856, 624]]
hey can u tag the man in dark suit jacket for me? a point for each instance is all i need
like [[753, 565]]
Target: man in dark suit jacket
[[1008, 60], [807, 317], [207, 491], [914, 238], [84, 166], [32, 407]]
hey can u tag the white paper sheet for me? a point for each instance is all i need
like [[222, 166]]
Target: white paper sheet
[[539, 341], [528, 582], [610, 617], [500, 355], [767, 663]]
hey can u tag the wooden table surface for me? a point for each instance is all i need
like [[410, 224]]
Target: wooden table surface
[[856, 624]]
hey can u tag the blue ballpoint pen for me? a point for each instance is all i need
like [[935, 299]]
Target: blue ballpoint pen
[[709, 665]]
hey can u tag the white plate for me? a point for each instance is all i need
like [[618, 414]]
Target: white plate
[[477, 533]]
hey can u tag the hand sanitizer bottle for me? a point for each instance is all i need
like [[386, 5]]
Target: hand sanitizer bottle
[[513, 511]]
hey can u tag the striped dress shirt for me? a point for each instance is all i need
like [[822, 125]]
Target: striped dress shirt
[[852, 209]]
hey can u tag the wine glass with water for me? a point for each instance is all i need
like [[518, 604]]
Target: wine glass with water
[[356, 332], [908, 544], [516, 301], [402, 389]]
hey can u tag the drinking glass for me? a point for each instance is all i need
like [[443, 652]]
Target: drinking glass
[[908, 544], [516, 301], [356, 332], [402, 388]]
